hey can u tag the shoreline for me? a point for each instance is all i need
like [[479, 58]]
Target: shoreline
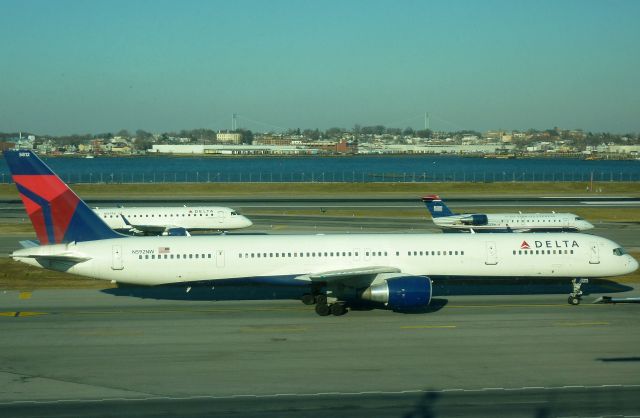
[[480, 156]]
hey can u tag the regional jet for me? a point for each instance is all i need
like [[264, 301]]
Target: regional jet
[[171, 220], [444, 218], [394, 271]]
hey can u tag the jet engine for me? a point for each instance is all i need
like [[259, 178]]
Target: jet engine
[[399, 292], [177, 232], [475, 220]]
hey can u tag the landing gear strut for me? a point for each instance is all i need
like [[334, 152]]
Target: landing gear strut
[[576, 295]]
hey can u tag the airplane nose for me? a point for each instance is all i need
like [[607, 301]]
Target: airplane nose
[[248, 222], [633, 264]]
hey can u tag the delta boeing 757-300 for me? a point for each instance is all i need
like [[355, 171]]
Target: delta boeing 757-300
[[392, 270]]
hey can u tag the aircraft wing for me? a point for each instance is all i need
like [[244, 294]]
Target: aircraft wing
[[157, 229], [358, 277]]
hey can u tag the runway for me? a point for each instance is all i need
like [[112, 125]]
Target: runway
[[87, 346], [13, 207]]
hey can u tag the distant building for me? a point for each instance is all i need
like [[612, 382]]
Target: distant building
[[231, 149], [6, 145], [273, 140], [121, 148], [624, 149], [229, 137]]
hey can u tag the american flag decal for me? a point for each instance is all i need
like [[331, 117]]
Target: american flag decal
[[164, 250]]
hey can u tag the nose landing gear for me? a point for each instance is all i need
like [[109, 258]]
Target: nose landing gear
[[576, 295]]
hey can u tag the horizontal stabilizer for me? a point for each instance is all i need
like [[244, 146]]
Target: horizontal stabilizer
[[71, 258], [60, 252], [430, 198], [27, 243]]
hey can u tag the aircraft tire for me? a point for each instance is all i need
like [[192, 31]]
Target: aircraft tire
[[321, 299], [574, 300], [338, 309], [308, 299], [323, 309]]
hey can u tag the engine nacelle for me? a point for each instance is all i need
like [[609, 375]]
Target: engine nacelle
[[475, 220], [176, 232], [400, 292]]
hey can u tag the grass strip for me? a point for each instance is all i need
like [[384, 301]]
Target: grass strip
[[223, 190]]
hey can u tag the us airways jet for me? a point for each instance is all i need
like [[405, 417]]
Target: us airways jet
[[392, 270], [171, 220], [444, 218]]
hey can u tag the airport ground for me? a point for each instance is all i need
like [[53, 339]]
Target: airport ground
[[483, 349]]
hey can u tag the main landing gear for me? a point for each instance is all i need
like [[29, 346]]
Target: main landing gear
[[323, 306], [576, 295]]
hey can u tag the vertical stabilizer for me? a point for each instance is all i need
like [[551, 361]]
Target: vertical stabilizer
[[58, 215], [436, 206]]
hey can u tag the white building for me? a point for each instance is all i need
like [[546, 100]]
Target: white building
[[230, 149], [229, 137]]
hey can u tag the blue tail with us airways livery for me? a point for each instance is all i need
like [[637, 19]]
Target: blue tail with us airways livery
[[58, 215], [436, 206]]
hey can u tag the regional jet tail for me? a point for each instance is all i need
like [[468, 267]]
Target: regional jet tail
[[172, 220], [392, 271], [444, 218]]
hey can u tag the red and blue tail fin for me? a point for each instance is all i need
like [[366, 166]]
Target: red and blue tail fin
[[57, 214], [436, 206]]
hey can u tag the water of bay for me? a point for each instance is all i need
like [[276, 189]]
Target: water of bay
[[333, 169]]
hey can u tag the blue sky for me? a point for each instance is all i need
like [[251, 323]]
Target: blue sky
[[97, 66]]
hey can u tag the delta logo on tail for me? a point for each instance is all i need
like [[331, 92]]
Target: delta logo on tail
[[525, 246], [57, 214], [49, 204]]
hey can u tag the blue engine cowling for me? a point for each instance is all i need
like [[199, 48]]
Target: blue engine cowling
[[475, 220], [403, 292], [177, 232]]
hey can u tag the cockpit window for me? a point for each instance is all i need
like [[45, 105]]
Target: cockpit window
[[233, 213], [579, 218], [619, 251]]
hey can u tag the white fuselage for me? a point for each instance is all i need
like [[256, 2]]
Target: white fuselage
[[516, 222], [163, 260], [189, 218]]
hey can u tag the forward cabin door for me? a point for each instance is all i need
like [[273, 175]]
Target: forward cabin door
[[116, 257], [594, 253], [219, 258], [220, 217], [492, 253]]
